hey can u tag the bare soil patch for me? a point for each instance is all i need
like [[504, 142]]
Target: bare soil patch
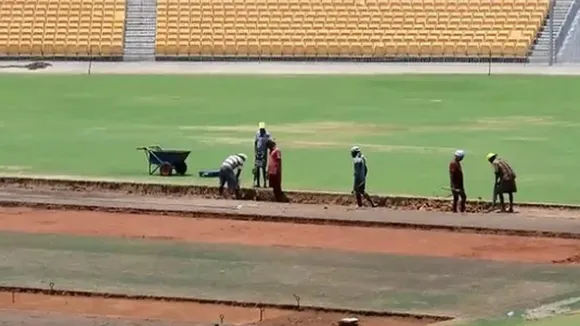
[[302, 197], [191, 312], [272, 234]]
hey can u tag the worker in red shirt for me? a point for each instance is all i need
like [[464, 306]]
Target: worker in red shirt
[[275, 170], [456, 181]]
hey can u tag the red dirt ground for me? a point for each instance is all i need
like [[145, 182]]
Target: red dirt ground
[[182, 311], [359, 239]]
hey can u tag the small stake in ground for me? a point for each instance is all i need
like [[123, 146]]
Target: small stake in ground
[[13, 297], [297, 298], [262, 309]]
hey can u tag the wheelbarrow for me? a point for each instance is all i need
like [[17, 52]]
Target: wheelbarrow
[[166, 161]]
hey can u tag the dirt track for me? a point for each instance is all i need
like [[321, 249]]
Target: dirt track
[[296, 197], [560, 224], [111, 311], [271, 234]]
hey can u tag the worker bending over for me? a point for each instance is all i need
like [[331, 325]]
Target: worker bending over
[[230, 173], [360, 176], [456, 181], [505, 181]]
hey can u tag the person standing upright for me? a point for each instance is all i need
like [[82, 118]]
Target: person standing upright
[[360, 176], [505, 181], [456, 181], [275, 170], [261, 154]]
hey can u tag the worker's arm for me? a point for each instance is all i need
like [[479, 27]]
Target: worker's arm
[[452, 169], [497, 173]]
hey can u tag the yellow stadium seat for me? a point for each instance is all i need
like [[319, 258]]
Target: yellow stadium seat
[[346, 28], [413, 49], [437, 49], [63, 28], [460, 49], [473, 49], [485, 49]]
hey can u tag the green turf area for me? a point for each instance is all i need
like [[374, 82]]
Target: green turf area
[[453, 287], [408, 126], [566, 320]]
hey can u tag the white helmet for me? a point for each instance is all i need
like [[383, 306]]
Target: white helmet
[[355, 149], [459, 153], [243, 156]]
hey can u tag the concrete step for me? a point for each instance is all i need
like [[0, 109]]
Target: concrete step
[[131, 18], [140, 24], [140, 14], [140, 52], [139, 38], [139, 47], [140, 33], [141, 27]]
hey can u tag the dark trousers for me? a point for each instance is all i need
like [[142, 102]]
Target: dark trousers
[[498, 190], [260, 166], [227, 175], [459, 194], [276, 185], [360, 192]]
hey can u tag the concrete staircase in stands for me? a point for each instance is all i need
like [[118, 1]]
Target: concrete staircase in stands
[[140, 24]]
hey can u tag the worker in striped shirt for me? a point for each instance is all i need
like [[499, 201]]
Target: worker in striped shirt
[[230, 173], [505, 181], [360, 176]]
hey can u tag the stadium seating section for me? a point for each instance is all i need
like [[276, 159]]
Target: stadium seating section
[[348, 28], [62, 28]]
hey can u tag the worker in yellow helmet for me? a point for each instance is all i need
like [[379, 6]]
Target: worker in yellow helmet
[[505, 181]]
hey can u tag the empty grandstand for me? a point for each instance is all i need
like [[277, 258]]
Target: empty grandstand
[[62, 28], [349, 28], [333, 29]]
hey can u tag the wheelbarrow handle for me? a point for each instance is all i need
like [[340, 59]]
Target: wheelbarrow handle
[[141, 148]]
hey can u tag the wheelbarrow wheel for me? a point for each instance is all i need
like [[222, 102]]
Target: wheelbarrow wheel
[[180, 168], [165, 169]]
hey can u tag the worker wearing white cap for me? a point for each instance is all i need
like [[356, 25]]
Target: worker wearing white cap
[[261, 154], [456, 181], [360, 177]]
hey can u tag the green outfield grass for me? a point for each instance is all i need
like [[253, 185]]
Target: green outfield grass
[[408, 126], [566, 320]]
